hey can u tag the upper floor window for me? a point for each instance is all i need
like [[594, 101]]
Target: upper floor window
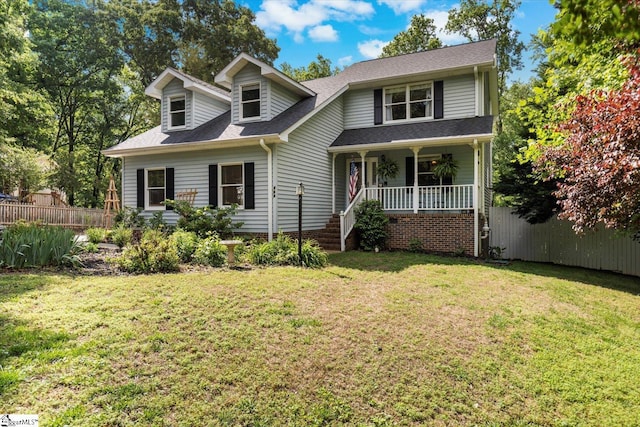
[[177, 112], [408, 102], [155, 187], [250, 101], [232, 184]]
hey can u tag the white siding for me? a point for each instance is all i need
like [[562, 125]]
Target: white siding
[[175, 88], [249, 74], [358, 109], [206, 108], [192, 171], [459, 95], [280, 99], [305, 159]]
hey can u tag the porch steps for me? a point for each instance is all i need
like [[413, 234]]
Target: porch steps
[[329, 238]]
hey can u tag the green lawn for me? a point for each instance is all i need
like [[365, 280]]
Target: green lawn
[[373, 339]]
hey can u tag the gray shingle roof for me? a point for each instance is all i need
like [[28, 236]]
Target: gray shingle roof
[[220, 128], [420, 130]]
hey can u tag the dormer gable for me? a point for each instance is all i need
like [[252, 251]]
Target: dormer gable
[[187, 102], [259, 91]]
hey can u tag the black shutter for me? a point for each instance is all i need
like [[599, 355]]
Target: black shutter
[[140, 188], [438, 99], [169, 185], [249, 186], [213, 186], [410, 171], [377, 106]]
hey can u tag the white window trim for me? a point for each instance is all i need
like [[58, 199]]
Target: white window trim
[[407, 103], [148, 207], [220, 185], [241, 117], [169, 112]]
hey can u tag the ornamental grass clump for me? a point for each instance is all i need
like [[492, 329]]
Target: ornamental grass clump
[[283, 250], [154, 254], [34, 245]]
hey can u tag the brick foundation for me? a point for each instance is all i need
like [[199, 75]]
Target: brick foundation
[[446, 233]]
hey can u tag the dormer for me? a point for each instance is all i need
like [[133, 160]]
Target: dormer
[[259, 91], [186, 102]]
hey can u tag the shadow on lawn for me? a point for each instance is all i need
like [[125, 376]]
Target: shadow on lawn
[[14, 284], [398, 261]]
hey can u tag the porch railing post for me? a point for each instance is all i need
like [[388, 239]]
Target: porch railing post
[[342, 236], [416, 196]]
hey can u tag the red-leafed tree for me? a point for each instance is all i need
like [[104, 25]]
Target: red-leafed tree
[[599, 161]]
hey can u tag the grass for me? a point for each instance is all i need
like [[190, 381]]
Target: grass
[[370, 340]]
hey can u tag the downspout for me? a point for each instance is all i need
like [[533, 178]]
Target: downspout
[[269, 188]]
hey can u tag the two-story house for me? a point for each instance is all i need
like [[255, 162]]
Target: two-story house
[[254, 136]]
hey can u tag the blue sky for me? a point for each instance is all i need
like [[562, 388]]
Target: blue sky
[[348, 31]]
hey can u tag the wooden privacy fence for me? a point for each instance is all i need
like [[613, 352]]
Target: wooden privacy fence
[[556, 242], [54, 215]]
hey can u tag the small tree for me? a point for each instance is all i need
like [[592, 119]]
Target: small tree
[[205, 221], [21, 169], [371, 225]]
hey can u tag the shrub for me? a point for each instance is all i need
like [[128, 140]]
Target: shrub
[[210, 252], [415, 245], [130, 218], [90, 248], [121, 236], [33, 245], [157, 222], [371, 224], [154, 254], [185, 243], [205, 221], [283, 250], [96, 235]]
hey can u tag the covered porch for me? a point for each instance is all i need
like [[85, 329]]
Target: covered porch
[[415, 188]]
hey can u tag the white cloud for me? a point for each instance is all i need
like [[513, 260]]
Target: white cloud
[[345, 60], [371, 31], [440, 18], [323, 33], [371, 48], [274, 15], [401, 7]]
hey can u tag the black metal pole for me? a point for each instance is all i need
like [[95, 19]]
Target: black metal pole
[[300, 227]]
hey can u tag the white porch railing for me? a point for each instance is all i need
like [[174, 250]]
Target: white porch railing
[[348, 219], [430, 198]]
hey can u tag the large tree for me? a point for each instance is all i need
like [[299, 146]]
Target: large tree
[[24, 109], [315, 70], [420, 36], [482, 20]]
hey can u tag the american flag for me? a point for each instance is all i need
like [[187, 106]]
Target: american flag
[[353, 181]]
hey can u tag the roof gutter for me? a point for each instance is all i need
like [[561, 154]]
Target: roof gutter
[[409, 143], [193, 146]]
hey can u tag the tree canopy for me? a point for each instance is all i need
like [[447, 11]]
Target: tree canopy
[[420, 36], [315, 70]]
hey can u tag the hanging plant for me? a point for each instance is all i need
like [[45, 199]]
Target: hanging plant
[[387, 169], [447, 167]]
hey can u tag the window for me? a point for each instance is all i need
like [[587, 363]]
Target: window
[[177, 112], [155, 188], [425, 171], [250, 101], [232, 184], [408, 102]]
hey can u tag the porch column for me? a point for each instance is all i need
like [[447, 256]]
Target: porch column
[[333, 184], [363, 154], [416, 199], [476, 168]]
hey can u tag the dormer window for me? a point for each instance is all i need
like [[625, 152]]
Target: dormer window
[[250, 101], [410, 102], [177, 112]]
